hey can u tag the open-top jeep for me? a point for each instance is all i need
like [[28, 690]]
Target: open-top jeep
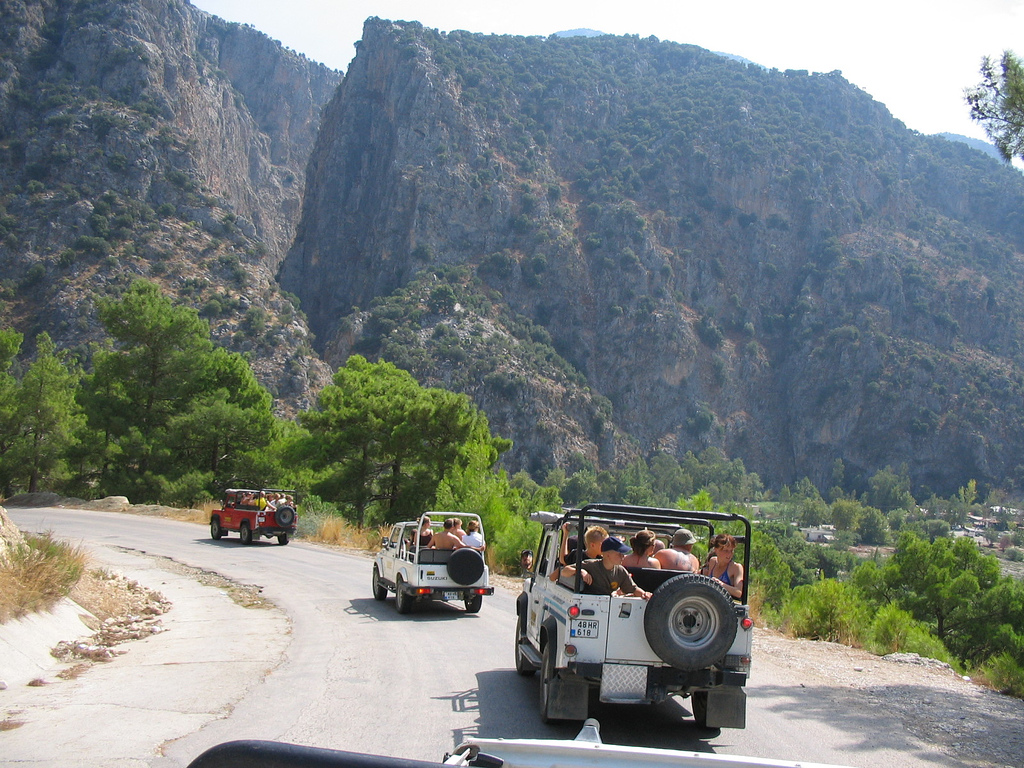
[[409, 567], [250, 514], [690, 639]]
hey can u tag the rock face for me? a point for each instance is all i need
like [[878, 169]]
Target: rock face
[[10, 536], [711, 254], [149, 139]]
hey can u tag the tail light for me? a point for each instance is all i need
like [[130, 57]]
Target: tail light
[[746, 622]]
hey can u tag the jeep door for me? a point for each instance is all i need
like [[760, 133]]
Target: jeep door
[[547, 560], [394, 552]]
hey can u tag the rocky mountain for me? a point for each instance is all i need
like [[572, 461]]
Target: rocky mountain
[[146, 138], [617, 246], [620, 246]]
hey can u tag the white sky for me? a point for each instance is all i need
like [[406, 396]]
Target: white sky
[[914, 56]]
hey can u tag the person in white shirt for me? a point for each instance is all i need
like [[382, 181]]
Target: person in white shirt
[[473, 537]]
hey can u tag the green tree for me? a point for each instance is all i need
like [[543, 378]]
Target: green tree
[[47, 415], [890, 490], [998, 103], [383, 444], [158, 396], [10, 343]]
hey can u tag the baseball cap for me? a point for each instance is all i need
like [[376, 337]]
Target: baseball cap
[[682, 537], [611, 544]]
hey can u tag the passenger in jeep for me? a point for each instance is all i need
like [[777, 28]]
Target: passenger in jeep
[[607, 575], [446, 539], [680, 557]]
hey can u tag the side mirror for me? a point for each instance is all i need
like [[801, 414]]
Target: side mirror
[[385, 542]]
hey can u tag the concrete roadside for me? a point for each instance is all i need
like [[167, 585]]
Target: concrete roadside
[[212, 652]]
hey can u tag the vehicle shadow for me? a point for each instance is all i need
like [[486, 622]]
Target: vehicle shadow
[[424, 612], [506, 703]]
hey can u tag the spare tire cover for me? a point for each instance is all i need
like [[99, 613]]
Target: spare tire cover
[[690, 622], [285, 516], [465, 566]]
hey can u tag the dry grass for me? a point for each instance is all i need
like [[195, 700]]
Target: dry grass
[[331, 529], [38, 575]]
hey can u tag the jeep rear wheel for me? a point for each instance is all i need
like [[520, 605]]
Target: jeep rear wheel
[[215, 530], [379, 590], [282, 538], [474, 603], [690, 622], [547, 677], [699, 706], [403, 600], [523, 665], [245, 532], [465, 566]]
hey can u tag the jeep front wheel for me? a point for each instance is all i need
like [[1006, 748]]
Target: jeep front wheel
[[523, 665], [379, 590], [690, 622], [245, 532], [215, 530]]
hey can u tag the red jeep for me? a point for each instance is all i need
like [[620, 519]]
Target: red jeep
[[268, 512]]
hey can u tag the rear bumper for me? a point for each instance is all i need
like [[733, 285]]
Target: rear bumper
[[668, 679], [446, 593]]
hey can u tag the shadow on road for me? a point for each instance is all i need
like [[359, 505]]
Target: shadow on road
[[506, 707], [434, 610]]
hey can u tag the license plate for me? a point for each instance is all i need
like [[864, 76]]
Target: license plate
[[449, 595], [584, 627]]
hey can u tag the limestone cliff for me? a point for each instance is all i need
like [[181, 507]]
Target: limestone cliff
[[702, 252], [148, 138]]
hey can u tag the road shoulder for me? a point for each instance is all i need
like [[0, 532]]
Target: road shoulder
[[211, 652]]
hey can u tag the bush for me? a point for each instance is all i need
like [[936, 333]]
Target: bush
[[897, 631], [38, 575], [827, 610], [1004, 674]]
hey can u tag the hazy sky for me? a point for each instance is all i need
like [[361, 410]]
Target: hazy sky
[[915, 56]]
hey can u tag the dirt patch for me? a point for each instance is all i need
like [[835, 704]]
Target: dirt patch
[[124, 610], [973, 724]]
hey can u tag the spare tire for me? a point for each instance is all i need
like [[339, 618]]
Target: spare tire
[[690, 622], [466, 566], [285, 516]]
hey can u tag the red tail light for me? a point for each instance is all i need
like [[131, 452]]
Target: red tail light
[[747, 623]]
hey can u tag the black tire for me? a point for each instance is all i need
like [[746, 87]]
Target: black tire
[[474, 603], [403, 600], [285, 516], [282, 539], [690, 622], [523, 665], [245, 532], [379, 590], [466, 566], [547, 675], [215, 530], [699, 706]]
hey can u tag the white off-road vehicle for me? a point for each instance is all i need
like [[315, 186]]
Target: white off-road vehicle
[[689, 639], [408, 566]]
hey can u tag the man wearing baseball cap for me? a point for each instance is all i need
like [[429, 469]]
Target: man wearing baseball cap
[[680, 557], [607, 576]]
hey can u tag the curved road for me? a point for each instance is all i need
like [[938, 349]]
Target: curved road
[[357, 676]]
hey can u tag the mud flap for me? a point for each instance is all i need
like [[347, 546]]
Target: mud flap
[[727, 707], [569, 696]]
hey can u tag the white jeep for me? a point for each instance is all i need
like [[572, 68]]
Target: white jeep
[[415, 572], [690, 639]]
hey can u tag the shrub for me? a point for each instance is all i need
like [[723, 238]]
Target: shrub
[[897, 631], [38, 575], [827, 610], [1004, 674]]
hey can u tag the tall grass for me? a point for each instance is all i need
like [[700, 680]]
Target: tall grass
[[37, 575]]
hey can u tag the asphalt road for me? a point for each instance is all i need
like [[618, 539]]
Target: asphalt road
[[357, 676]]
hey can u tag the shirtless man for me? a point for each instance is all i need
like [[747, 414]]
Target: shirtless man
[[446, 539], [680, 556]]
